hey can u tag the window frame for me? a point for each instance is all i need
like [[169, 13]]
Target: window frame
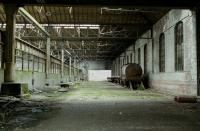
[[161, 54], [139, 56], [145, 58], [127, 59], [131, 58], [179, 41]]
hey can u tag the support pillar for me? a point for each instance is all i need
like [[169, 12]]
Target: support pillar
[[70, 68], [48, 62], [78, 77], [9, 87], [116, 67], [198, 48], [10, 45], [74, 65], [62, 63]]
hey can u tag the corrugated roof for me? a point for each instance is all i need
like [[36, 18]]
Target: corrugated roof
[[117, 27]]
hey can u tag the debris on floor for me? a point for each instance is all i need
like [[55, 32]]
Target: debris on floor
[[64, 85], [100, 106], [16, 112], [185, 99], [140, 87], [63, 90]]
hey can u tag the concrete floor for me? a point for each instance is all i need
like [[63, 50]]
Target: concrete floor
[[103, 106]]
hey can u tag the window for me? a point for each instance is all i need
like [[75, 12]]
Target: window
[[30, 62], [36, 63], [19, 59], [179, 53], [131, 57], [145, 58], [41, 65], [52, 68], [138, 55], [162, 53], [127, 60], [25, 64]]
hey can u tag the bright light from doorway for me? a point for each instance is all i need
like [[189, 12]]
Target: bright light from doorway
[[98, 75]]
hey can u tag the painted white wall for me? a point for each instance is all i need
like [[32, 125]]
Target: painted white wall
[[170, 81], [99, 75]]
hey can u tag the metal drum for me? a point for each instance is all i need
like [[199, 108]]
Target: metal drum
[[131, 71], [131, 74]]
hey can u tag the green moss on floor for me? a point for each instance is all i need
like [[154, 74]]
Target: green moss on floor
[[105, 90], [101, 91], [103, 106]]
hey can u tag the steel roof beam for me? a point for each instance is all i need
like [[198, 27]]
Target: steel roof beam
[[135, 3], [32, 20], [80, 38]]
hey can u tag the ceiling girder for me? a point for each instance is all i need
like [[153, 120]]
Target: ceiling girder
[[124, 39], [32, 20], [135, 3]]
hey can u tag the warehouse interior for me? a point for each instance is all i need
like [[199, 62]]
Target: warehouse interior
[[103, 65]]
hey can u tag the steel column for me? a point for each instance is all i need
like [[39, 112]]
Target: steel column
[[198, 48], [10, 45]]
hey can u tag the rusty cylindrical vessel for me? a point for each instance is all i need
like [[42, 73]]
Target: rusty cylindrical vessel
[[132, 71]]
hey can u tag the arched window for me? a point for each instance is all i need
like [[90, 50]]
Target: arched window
[[179, 50], [131, 57], [162, 53], [139, 56], [145, 58]]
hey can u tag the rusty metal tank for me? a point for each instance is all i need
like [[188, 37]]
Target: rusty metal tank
[[131, 71]]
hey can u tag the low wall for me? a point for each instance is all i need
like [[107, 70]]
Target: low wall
[[36, 79]]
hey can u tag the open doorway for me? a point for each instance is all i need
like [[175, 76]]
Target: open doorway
[[98, 75]]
